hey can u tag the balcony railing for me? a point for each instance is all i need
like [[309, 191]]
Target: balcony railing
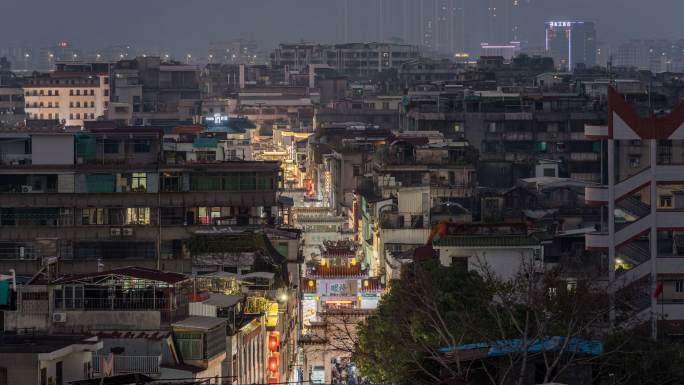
[[131, 364], [114, 304]]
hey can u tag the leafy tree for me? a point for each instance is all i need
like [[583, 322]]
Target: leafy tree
[[400, 343]]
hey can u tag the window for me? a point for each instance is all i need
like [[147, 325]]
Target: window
[[106, 92], [206, 155], [71, 116], [93, 216], [460, 262], [49, 104], [139, 182], [138, 216], [92, 92], [191, 345], [78, 104], [634, 161], [106, 80], [71, 92], [666, 201], [142, 145], [92, 104], [49, 92], [85, 92], [56, 92], [170, 182], [679, 286], [78, 92], [69, 297], [78, 116], [356, 170], [56, 104]]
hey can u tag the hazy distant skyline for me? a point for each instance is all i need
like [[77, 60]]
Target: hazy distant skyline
[[182, 26]]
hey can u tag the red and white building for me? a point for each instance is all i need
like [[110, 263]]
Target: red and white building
[[643, 230]]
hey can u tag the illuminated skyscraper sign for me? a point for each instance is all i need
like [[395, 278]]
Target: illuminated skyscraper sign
[[570, 43]]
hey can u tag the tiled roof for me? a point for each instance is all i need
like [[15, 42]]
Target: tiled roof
[[338, 271]]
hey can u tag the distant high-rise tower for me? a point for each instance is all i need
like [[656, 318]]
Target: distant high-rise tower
[[570, 43]]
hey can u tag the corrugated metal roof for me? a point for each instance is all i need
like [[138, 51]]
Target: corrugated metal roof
[[131, 271], [199, 322], [222, 300]]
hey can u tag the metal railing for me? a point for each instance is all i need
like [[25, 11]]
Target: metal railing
[[130, 364], [104, 303]]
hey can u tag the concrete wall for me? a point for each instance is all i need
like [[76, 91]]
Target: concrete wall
[[505, 262], [124, 320], [22, 368], [72, 366], [52, 149]]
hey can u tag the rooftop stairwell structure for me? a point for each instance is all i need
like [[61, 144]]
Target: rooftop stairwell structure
[[634, 220]]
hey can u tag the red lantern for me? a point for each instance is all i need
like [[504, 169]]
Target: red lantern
[[274, 362], [273, 341], [273, 380]]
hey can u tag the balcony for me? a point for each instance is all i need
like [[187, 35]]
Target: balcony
[[149, 365], [403, 221], [596, 132], [584, 156], [15, 159], [596, 241], [596, 195]]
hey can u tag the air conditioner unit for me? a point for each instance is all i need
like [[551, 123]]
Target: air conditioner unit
[[114, 231], [59, 317], [127, 231], [26, 189]]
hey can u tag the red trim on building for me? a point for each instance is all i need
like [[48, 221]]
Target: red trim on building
[[651, 127]]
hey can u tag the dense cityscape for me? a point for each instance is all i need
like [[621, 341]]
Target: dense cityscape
[[449, 192]]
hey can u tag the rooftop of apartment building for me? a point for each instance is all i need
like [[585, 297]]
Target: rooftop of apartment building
[[30, 342]]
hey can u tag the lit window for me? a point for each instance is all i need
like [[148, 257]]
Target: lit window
[[139, 182], [666, 201], [138, 216], [93, 216]]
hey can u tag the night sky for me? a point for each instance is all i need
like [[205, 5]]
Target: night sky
[[190, 25]]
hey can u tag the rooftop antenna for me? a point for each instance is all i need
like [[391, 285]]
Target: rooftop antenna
[[346, 21], [382, 25]]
